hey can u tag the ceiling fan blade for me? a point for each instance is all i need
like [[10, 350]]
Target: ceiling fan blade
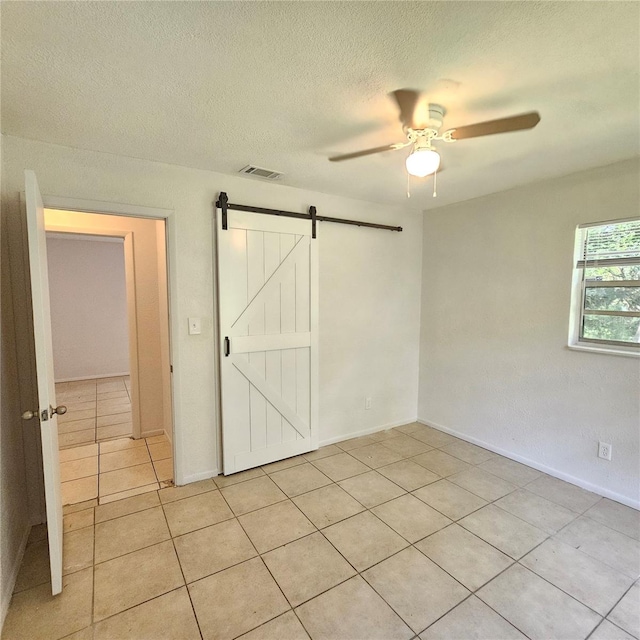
[[368, 152], [407, 100], [502, 125]]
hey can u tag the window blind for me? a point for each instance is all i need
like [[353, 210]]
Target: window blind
[[611, 244]]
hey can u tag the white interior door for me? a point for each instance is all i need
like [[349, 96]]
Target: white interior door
[[268, 309], [44, 370]]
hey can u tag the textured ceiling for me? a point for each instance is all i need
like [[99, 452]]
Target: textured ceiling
[[284, 85]]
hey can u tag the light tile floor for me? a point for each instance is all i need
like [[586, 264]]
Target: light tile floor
[[404, 534], [106, 471], [97, 410]]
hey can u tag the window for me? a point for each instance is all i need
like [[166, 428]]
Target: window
[[606, 291]]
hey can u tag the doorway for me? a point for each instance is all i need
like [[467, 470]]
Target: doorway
[[110, 327], [91, 343]]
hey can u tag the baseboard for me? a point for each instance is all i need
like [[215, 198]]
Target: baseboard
[[7, 590], [203, 475], [98, 377], [152, 434], [366, 432], [579, 482]]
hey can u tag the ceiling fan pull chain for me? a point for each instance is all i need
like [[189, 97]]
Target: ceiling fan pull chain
[[435, 183], [408, 185]]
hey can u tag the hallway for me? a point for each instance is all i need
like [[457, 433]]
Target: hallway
[[97, 410], [107, 471]]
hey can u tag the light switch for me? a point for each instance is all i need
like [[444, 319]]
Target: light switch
[[195, 327]]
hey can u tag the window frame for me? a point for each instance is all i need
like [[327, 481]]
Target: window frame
[[578, 286]]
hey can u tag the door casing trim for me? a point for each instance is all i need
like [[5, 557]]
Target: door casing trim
[[168, 215]]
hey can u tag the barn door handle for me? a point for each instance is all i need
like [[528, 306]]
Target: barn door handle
[[227, 346]]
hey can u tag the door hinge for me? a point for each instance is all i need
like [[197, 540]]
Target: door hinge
[[171, 368], [227, 346]]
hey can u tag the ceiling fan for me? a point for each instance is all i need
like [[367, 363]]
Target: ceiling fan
[[422, 130]]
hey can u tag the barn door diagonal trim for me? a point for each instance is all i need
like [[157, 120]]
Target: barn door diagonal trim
[[272, 397], [269, 287]]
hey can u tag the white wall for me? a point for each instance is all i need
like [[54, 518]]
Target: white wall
[[88, 306], [494, 362], [369, 286]]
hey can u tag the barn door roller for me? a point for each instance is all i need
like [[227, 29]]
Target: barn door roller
[[224, 205]]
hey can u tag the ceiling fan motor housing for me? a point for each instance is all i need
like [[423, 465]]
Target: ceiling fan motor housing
[[436, 116], [422, 138]]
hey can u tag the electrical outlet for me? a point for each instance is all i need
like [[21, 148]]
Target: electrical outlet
[[367, 403], [604, 450]]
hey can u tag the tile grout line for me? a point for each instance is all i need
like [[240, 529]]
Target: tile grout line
[[321, 532], [606, 616], [474, 592], [410, 492], [357, 572], [366, 508], [175, 551], [114, 615], [261, 560], [110, 499], [93, 569], [360, 573], [259, 555], [554, 585], [96, 399], [153, 466], [383, 598], [409, 544], [550, 536]]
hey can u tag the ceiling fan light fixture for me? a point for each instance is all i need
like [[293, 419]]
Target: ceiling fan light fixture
[[423, 162]]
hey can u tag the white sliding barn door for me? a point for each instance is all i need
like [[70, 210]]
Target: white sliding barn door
[[268, 306]]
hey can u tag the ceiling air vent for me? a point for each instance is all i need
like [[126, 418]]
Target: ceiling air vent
[[259, 172]]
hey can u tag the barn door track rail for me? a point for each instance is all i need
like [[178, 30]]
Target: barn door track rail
[[224, 205]]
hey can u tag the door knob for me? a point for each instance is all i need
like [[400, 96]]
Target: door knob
[[27, 415], [60, 410]]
